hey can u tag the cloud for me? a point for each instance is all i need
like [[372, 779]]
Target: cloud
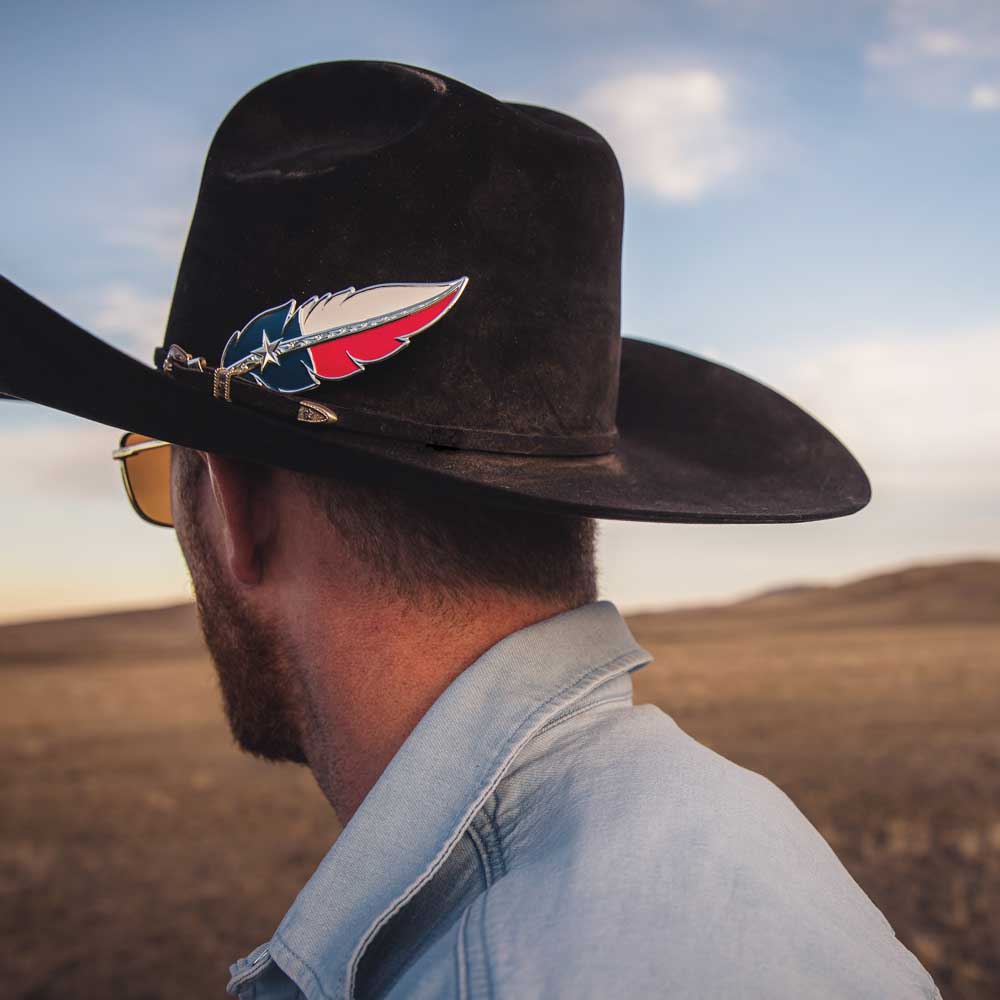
[[944, 44], [940, 52], [134, 320], [922, 413], [71, 460], [985, 97], [673, 131]]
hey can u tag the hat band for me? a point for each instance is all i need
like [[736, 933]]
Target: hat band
[[200, 375]]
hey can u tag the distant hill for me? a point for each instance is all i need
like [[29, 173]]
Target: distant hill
[[959, 592], [121, 636], [953, 593], [945, 587]]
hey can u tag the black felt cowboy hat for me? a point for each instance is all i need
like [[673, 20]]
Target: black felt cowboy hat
[[394, 276]]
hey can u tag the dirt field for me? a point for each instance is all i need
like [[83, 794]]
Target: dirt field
[[140, 853]]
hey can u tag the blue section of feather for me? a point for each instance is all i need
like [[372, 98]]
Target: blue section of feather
[[294, 372]]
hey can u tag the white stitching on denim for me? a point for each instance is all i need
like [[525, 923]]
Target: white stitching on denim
[[490, 988], [252, 970], [307, 967], [556, 723], [462, 956]]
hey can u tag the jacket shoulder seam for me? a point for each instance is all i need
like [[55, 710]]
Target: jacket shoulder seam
[[482, 853], [515, 742]]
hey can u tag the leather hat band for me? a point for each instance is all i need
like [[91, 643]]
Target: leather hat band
[[196, 372]]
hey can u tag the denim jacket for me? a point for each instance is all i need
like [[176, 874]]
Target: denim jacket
[[539, 835]]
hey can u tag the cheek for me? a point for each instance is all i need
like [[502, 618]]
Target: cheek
[[182, 484], [192, 506]]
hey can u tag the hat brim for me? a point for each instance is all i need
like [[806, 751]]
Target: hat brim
[[698, 442]]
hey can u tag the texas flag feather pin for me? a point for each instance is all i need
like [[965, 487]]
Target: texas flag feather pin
[[291, 348]]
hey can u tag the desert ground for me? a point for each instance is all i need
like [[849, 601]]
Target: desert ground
[[140, 852]]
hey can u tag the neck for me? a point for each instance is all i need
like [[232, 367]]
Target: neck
[[368, 677]]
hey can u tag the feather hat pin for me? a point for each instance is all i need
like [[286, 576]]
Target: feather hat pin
[[334, 336]]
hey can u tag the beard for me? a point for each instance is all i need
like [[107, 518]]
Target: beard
[[257, 694]]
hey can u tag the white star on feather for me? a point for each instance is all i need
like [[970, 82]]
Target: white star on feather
[[267, 354]]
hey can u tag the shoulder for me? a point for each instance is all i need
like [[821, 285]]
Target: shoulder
[[639, 862]]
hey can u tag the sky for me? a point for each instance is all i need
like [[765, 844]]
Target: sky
[[811, 198]]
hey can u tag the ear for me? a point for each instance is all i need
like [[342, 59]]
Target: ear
[[246, 520]]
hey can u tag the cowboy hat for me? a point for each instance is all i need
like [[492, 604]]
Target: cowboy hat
[[392, 275]]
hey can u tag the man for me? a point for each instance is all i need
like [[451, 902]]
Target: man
[[385, 496]]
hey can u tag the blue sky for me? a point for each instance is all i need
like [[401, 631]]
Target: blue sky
[[811, 198]]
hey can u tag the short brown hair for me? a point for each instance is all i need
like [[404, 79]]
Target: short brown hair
[[419, 545]]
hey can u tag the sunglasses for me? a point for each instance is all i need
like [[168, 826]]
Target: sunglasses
[[146, 474]]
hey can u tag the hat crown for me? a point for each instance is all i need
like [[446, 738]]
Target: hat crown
[[366, 173]]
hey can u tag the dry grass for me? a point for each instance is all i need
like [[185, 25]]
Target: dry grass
[[140, 852]]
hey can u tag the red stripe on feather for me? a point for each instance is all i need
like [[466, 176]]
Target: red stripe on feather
[[334, 358]]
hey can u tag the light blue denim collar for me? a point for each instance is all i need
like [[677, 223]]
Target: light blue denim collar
[[440, 777]]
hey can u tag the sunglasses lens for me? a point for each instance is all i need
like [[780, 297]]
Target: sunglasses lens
[[148, 477]]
